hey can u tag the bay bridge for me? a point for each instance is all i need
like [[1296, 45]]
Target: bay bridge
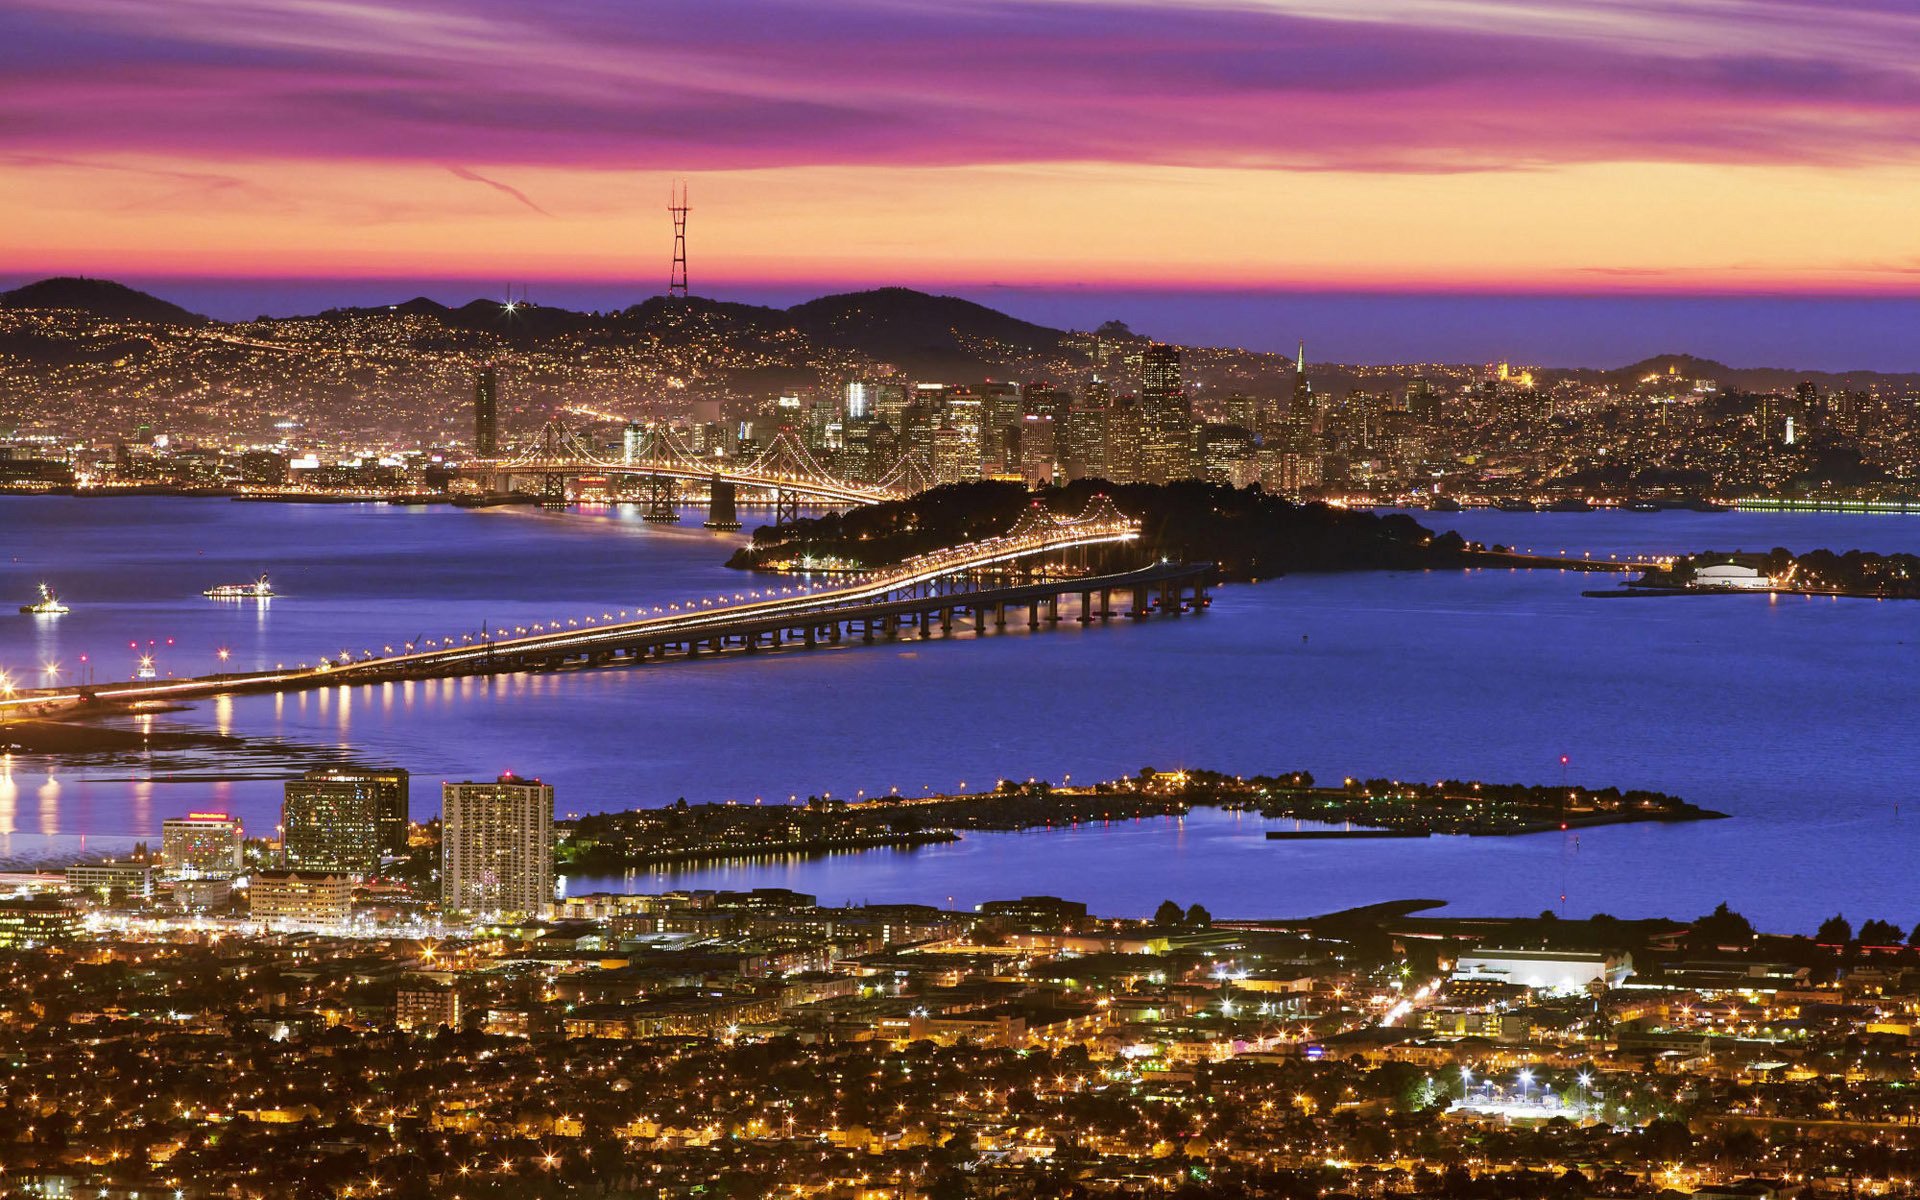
[[977, 585], [657, 470]]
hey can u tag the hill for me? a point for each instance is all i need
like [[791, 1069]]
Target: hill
[[100, 298], [915, 329]]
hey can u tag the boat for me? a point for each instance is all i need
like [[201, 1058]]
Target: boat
[[1571, 505], [259, 589], [1645, 506], [1443, 504], [1515, 506], [1706, 506], [48, 605]]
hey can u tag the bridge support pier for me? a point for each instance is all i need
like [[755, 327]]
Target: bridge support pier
[[1140, 604], [659, 501], [1053, 610], [786, 505], [720, 504], [1000, 616], [979, 619], [1086, 608], [1033, 614]]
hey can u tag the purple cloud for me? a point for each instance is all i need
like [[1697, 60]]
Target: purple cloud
[[1408, 86]]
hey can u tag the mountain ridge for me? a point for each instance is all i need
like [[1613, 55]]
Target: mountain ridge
[[909, 328]]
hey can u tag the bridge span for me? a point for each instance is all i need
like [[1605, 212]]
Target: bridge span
[[662, 464], [944, 589]]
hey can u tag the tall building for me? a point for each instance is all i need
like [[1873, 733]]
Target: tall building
[[496, 847], [1166, 448], [1305, 406], [486, 413], [1083, 443], [956, 454], [1160, 376], [1039, 454], [344, 819], [202, 845]]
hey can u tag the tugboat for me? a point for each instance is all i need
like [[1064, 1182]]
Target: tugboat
[[259, 589], [48, 605]]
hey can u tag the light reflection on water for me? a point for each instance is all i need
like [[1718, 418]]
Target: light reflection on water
[[1796, 716]]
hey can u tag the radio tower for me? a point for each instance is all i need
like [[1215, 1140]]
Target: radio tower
[[677, 278]]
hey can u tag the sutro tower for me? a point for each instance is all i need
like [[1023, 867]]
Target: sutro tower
[[677, 278]]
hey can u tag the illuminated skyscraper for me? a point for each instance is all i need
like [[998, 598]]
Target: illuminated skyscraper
[[486, 413], [496, 847], [344, 819], [1166, 448]]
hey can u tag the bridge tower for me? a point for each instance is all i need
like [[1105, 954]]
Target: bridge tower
[[720, 504], [786, 505], [553, 484], [677, 274], [659, 501]]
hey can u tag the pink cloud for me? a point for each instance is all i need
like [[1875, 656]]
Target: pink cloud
[[764, 83]]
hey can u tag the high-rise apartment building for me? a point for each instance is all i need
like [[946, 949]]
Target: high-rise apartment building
[[344, 819], [202, 845], [496, 847]]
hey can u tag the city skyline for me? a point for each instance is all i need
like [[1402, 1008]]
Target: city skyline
[[1191, 154]]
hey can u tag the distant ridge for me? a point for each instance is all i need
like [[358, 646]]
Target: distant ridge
[[917, 332], [101, 298], [888, 322]]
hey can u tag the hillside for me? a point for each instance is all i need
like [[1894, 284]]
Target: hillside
[[99, 298], [915, 329]]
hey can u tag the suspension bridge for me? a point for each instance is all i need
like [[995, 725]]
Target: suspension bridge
[[656, 471]]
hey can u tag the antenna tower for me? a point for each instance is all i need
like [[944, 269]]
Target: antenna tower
[[677, 277]]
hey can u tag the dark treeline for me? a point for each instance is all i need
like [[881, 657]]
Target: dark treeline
[[1249, 533]]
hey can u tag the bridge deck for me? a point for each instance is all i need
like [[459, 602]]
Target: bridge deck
[[603, 645]]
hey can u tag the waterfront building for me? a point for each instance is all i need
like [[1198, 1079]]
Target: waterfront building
[[344, 819], [1745, 571], [302, 897], [202, 845], [496, 847]]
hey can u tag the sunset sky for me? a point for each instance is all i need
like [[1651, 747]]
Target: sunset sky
[[1511, 147]]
